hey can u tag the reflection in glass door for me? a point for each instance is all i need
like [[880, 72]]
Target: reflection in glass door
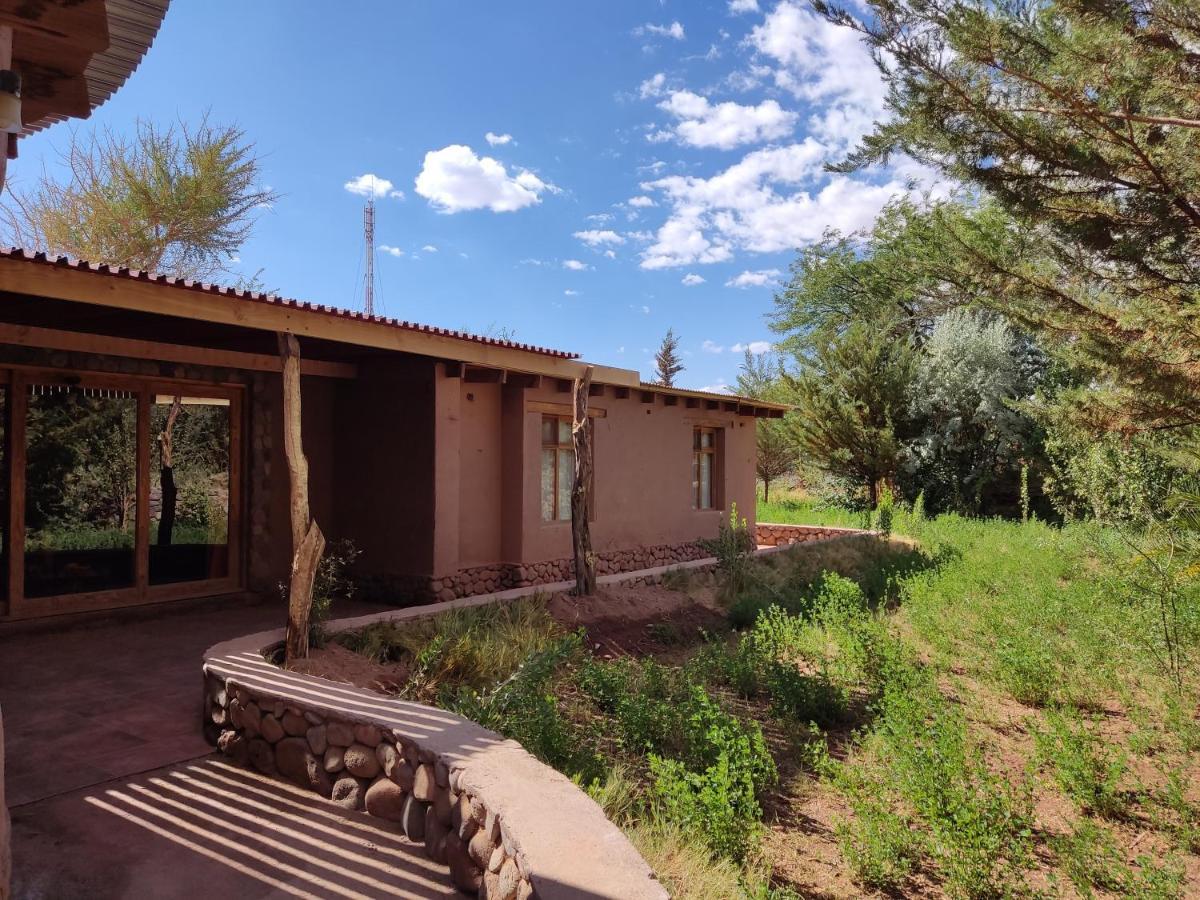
[[189, 488], [80, 489]]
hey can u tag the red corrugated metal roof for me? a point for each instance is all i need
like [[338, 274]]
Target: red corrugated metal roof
[[106, 270]]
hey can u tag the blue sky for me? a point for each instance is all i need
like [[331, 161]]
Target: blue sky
[[583, 174]]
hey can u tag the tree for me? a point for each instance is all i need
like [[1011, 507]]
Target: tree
[[852, 400], [973, 437], [667, 363], [762, 377], [179, 200], [1076, 122]]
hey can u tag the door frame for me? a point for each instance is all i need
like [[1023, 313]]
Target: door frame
[[17, 379]]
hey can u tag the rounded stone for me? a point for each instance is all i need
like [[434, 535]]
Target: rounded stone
[[442, 804], [435, 837], [294, 724], [463, 872], [234, 746], [339, 734], [480, 847], [424, 783], [368, 735], [316, 739], [388, 757], [385, 800], [348, 792], [497, 860], [271, 728], [402, 774], [296, 763], [252, 719], [262, 757], [361, 761], [509, 881], [335, 759], [413, 820]]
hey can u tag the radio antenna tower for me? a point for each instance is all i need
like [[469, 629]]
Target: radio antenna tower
[[369, 234]]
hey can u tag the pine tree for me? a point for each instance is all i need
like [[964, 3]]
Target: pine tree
[[1077, 124], [667, 363]]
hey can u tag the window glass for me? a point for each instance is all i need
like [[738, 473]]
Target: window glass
[[80, 489], [566, 477], [706, 481], [548, 479], [189, 489]]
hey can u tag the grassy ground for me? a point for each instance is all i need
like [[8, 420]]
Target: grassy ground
[[974, 709]]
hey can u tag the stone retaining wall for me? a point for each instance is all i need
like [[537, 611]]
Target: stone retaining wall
[[506, 576], [506, 825], [769, 534]]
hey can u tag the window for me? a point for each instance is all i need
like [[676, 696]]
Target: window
[[558, 468], [705, 469]]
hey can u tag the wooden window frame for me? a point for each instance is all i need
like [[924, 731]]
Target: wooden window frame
[[715, 471], [543, 445], [17, 379]]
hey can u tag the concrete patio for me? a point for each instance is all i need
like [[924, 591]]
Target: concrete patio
[[114, 792]]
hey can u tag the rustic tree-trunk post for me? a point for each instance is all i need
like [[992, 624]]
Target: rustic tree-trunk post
[[166, 470], [581, 490], [308, 543]]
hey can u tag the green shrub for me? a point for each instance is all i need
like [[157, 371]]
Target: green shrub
[[880, 845], [331, 584], [1084, 766], [523, 707], [474, 647], [1092, 859], [733, 549]]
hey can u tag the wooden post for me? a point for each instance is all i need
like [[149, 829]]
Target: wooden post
[[308, 543], [581, 490]]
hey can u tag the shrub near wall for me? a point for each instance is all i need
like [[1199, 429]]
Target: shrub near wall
[[506, 825]]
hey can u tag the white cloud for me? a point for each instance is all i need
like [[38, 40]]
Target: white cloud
[[429, 248], [369, 185], [724, 125], [743, 6], [774, 199], [600, 217], [673, 31], [712, 347], [642, 201], [597, 237], [390, 251], [719, 388], [756, 348], [654, 86], [570, 293], [746, 279], [610, 254], [454, 179], [498, 140], [646, 310], [827, 66], [691, 279], [575, 265]]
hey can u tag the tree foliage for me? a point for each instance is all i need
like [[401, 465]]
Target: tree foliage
[[761, 377], [667, 362], [179, 200], [970, 377], [852, 397], [1078, 122]]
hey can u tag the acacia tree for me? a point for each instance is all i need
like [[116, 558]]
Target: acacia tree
[[177, 199], [1078, 123], [667, 362]]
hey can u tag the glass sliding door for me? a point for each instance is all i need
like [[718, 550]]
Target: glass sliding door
[[80, 489], [189, 488]]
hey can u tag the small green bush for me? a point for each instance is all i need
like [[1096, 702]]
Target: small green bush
[[1092, 860], [733, 549], [1084, 766]]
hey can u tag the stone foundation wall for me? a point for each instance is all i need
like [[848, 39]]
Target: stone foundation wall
[[504, 576], [769, 534], [506, 826]]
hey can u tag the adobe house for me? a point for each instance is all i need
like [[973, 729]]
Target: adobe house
[[144, 461]]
